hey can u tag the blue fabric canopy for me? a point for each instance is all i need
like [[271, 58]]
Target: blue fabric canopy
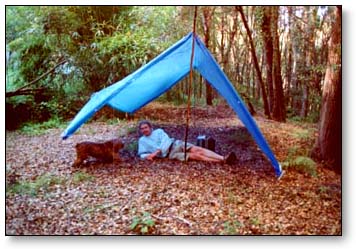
[[158, 76]]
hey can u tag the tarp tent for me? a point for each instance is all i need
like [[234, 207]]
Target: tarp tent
[[158, 76]]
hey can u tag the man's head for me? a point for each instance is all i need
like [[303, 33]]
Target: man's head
[[145, 128]]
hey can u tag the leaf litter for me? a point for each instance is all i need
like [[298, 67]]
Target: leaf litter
[[46, 196]]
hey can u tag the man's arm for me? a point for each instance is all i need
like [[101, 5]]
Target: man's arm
[[149, 150], [153, 155], [165, 142]]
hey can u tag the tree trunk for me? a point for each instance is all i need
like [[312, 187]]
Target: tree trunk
[[305, 101], [289, 62], [328, 144], [268, 47], [207, 15], [255, 63], [308, 63], [169, 96], [294, 82], [278, 112], [231, 35], [222, 39], [23, 91]]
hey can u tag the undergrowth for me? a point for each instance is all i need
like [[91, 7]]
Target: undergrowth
[[300, 162], [42, 128], [44, 183]]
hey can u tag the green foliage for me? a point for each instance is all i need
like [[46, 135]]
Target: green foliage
[[125, 52], [231, 227], [302, 134], [216, 101], [131, 130], [113, 121], [255, 221], [132, 146], [299, 160], [101, 44], [41, 128], [81, 176], [307, 164], [42, 183], [301, 164], [142, 224]]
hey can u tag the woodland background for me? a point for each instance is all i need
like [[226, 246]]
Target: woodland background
[[58, 56], [285, 62]]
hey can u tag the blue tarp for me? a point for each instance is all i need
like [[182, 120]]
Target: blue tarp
[[158, 76]]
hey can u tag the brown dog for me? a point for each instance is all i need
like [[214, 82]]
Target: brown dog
[[107, 151]]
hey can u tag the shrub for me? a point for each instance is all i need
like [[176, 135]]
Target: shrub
[[41, 128], [132, 147], [231, 227], [33, 187], [143, 224], [302, 164], [81, 176]]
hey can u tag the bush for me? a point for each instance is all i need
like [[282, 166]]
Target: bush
[[82, 177], [41, 128], [302, 164], [143, 224], [33, 187]]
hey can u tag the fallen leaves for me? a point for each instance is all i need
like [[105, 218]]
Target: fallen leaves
[[171, 197]]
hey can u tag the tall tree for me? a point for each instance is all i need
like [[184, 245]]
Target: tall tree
[[255, 62], [208, 13], [230, 39], [328, 144], [268, 49], [278, 111]]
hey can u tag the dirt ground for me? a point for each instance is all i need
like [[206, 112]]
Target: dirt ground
[[45, 195]]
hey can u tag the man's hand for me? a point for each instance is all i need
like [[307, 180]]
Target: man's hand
[[153, 155]]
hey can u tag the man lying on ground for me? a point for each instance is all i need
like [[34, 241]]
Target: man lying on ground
[[157, 144]]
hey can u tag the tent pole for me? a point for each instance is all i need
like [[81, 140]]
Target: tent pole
[[190, 85]]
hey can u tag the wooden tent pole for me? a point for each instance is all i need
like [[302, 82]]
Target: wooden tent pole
[[190, 85]]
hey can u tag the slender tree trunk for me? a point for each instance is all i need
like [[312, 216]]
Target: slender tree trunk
[[313, 54], [231, 35], [169, 96], [294, 82], [255, 63], [278, 112], [305, 101], [307, 48], [243, 70], [207, 15], [328, 145], [222, 39], [268, 47], [289, 62]]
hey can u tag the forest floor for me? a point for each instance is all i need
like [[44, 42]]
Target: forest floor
[[45, 195]]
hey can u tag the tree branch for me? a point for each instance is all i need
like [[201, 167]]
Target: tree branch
[[21, 91], [24, 92]]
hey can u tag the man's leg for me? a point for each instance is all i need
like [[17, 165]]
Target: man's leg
[[205, 153], [201, 157]]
